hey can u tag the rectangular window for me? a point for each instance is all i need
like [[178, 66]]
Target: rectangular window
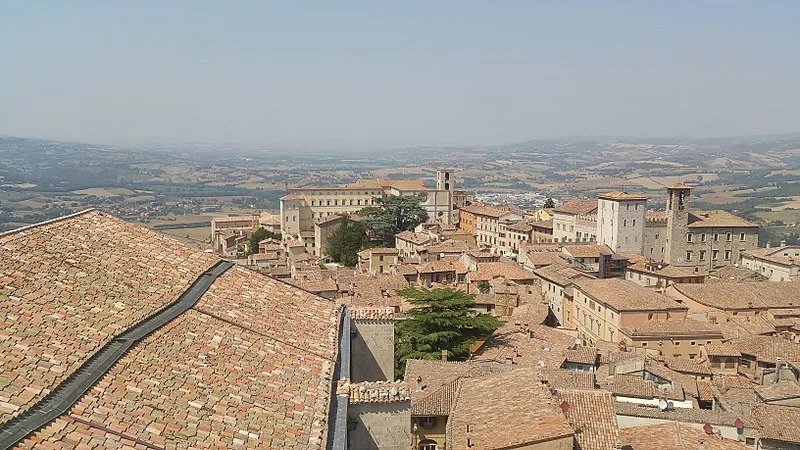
[[677, 343], [688, 237], [729, 237], [741, 237], [644, 344], [716, 237], [714, 255], [702, 237], [727, 255], [702, 255], [693, 343], [688, 256]]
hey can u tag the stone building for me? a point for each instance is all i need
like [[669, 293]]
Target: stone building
[[777, 264], [302, 207], [620, 221]]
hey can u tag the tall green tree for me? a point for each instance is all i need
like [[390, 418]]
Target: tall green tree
[[259, 235], [343, 245], [442, 319], [393, 214], [549, 203]]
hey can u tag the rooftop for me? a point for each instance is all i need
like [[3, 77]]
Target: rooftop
[[576, 206], [778, 422], [489, 270], [675, 435], [561, 275], [674, 327], [414, 238], [621, 196], [591, 414], [622, 295], [520, 412], [586, 251], [730, 295], [778, 391], [249, 365], [717, 219], [722, 350]]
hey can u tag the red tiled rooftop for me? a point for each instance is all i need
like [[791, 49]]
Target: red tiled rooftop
[[67, 287]]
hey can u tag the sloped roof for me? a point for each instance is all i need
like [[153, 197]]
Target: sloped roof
[[519, 413], [577, 206], [591, 414], [778, 422], [717, 219], [623, 295], [489, 270], [204, 370], [675, 435]]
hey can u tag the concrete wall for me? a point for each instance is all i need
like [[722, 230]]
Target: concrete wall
[[384, 426], [372, 351]]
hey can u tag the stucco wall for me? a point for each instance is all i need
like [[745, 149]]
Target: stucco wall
[[385, 426], [372, 351]]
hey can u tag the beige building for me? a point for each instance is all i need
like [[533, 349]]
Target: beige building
[[660, 275], [302, 207], [602, 308], [677, 236], [777, 264], [620, 221], [377, 260], [675, 338], [575, 221]]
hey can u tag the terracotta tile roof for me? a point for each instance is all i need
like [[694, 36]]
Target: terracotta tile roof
[[673, 327], [617, 195], [731, 273], [316, 286], [666, 270], [292, 197], [520, 412], [404, 185], [726, 295], [378, 392], [582, 355], [577, 206], [778, 422], [676, 436], [536, 346], [489, 270], [684, 365], [249, 366], [434, 384], [561, 379], [717, 219], [768, 348], [704, 391], [633, 386], [678, 380], [68, 286], [372, 313], [528, 314], [591, 414], [721, 350], [778, 391], [542, 259], [623, 295], [414, 238], [451, 246], [521, 227], [405, 269], [586, 251], [689, 415], [444, 265], [559, 274]]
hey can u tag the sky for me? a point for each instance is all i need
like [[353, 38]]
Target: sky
[[394, 74]]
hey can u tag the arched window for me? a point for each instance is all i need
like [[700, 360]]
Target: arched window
[[428, 444]]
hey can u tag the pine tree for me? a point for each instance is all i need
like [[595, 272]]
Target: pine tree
[[442, 319], [394, 213]]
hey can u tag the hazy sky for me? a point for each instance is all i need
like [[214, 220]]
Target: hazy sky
[[383, 74]]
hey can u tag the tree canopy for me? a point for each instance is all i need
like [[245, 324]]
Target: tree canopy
[[393, 214], [549, 203], [442, 319], [259, 235], [343, 245]]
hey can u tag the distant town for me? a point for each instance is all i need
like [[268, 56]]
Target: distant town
[[631, 296]]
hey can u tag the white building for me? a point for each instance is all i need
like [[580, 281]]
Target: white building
[[777, 264], [621, 221]]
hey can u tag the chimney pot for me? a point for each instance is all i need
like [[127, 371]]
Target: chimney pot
[[444, 355]]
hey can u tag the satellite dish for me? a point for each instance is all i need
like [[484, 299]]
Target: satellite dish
[[662, 405]]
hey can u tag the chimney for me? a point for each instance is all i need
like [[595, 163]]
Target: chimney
[[444, 355], [783, 243], [564, 406], [769, 244], [419, 384]]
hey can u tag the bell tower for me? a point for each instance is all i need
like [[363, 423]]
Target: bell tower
[[675, 246], [444, 180]]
